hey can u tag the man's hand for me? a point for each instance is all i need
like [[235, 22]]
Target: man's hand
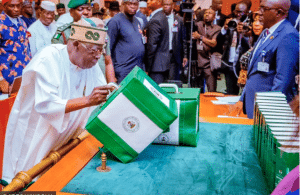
[[184, 62], [98, 95], [196, 35], [226, 23], [239, 28], [236, 109], [4, 86]]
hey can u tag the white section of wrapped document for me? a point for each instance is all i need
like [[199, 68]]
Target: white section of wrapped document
[[129, 123]]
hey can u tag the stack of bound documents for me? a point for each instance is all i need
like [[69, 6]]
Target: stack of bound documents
[[275, 140]]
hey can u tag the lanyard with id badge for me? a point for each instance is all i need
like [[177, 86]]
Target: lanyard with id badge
[[175, 26], [263, 66], [200, 45]]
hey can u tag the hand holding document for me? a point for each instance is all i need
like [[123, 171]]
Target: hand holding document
[[235, 110]]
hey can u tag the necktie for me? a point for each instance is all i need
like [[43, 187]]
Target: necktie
[[266, 32]]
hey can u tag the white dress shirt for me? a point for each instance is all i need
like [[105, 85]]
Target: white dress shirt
[[171, 23]]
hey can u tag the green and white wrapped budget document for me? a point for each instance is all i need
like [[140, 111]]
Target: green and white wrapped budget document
[[184, 131], [133, 116]]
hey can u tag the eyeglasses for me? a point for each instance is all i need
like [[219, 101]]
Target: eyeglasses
[[93, 51], [263, 8]]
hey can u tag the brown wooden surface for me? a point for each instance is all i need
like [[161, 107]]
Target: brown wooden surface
[[209, 113], [61, 173]]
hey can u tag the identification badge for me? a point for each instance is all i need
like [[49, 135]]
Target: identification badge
[[144, 38], [200, 46], [175, 29], [263, 66]]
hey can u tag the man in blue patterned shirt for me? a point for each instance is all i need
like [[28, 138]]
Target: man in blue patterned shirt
[[14, 45]]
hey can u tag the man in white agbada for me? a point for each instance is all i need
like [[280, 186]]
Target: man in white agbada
[[60, 88], [43, 29]]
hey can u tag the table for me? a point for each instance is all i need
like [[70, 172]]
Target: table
[[67, 168]]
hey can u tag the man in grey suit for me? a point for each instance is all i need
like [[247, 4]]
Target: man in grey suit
[[274, 61]]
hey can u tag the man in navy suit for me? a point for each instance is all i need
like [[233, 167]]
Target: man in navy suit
[[274, 61]]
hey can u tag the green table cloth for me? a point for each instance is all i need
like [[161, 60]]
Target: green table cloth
[[224, 162]]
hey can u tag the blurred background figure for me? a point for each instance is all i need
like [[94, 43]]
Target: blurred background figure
[[143, 8], [105, 12], [43, 29], [114, 8], [78, 9], [27, 13], [219, 17], [153, 5], [96, 6], [235, 43], [97, 13], [257, 28], [37, 9], [206, 37], [176, 8], [1, 6], [61, 9], [140, 14]]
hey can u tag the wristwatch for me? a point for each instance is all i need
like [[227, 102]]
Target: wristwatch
[[1, 78]]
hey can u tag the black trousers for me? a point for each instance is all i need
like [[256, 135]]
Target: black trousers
[[231, 80], [173, 73]]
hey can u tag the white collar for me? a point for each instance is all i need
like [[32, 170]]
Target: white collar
[[154, 12], [13, 20], [275, 26], [171, 15]]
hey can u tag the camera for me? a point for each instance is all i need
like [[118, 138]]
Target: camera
[[247, 24], [232, 24]]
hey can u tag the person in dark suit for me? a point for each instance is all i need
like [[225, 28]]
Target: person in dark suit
[[219, 18], [234, 45], [177, 41], [274, 61], [158, 54], [167, 50]]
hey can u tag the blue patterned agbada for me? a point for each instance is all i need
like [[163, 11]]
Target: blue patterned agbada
[[14, 48]]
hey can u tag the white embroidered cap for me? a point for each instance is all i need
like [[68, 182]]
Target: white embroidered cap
[[48, 5], [143, 4]]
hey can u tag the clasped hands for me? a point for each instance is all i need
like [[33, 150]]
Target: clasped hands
[[196, 35]]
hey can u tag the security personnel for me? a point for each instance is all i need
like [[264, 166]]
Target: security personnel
[[78, 8]]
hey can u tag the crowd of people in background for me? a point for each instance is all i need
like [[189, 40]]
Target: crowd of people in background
[[155, 35]]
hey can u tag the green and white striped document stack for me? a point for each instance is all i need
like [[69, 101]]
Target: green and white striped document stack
[[275, 141], [133, 116], [184, 131]]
